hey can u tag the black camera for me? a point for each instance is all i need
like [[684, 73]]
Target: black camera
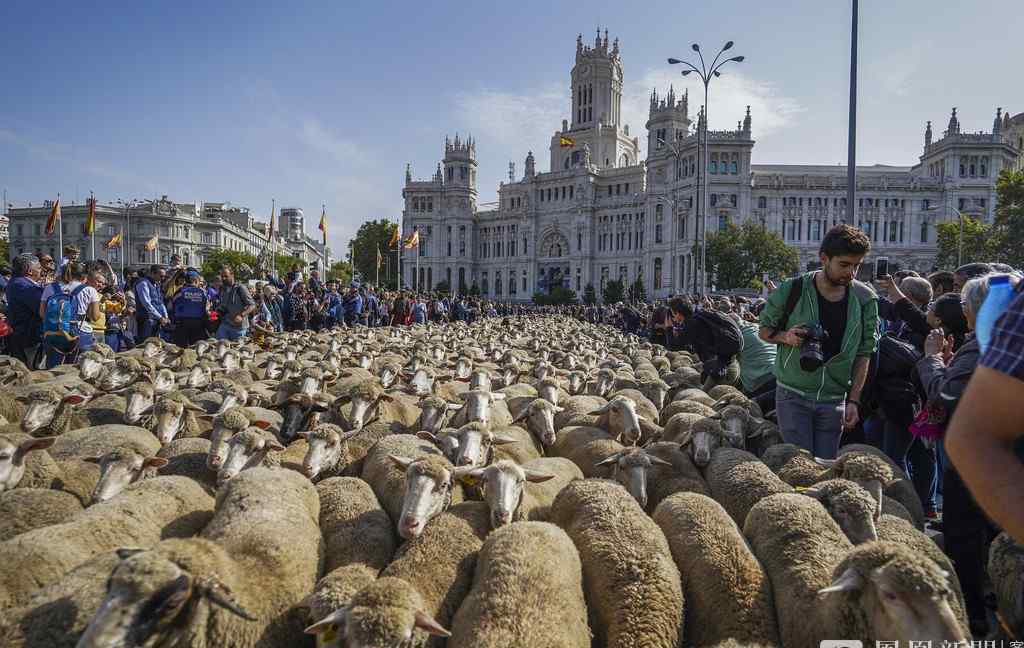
[[811, 355]]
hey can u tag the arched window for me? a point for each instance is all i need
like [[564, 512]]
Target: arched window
[[657, 273], [497, 283], [484, 285], [762, 203], [924, 231]]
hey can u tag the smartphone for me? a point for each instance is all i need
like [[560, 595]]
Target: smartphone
[[881, 267]]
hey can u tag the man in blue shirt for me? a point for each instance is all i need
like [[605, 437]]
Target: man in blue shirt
[[151, 313], [372, 308], [189, 311], [23, 296], [353, 306], [332, 304]]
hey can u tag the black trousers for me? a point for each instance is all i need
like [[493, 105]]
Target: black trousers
[[967, 533], [189, 331]]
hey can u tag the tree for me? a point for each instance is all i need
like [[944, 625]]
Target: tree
[[738, 256], [637, 293], [589, 295], [558, 296], [1008, 227], [284, 264], [474, 290], [613, 291], [341, 272], [243, 264], [977, 245], [5, 252], [371, 236], [443, 287]]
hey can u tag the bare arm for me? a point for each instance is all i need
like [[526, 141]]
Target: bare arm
[[980, 441]]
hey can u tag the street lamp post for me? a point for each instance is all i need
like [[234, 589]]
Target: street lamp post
[[706, 73]]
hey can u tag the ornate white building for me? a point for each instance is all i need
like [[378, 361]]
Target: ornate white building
[[603, 213]]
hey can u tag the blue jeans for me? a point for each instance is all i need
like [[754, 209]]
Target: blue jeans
[[228, 332], [814, 426], [148, 328], [918, 461]]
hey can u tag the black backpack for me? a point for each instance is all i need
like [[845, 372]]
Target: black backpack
[[896, 358], [728, 338]]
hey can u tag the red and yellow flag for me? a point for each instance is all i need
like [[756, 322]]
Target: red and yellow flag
[[380, 258], [412, 241], [115, 241], [51, 222], [395, 238], [323, 223], [90, 220], [152, 243], [565, 142]]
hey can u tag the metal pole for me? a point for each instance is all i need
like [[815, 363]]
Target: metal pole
[[704, 220], [960, 241], [851, 163], [60, 233]]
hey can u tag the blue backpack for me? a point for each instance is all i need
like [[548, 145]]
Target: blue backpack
[[60, 314]]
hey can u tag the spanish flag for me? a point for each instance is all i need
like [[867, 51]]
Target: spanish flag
[[323, 223], [152, 243], [380, 258], [90, 220], [395, 237], [413, 241], [115, 241], [51, 222], [566, 142]]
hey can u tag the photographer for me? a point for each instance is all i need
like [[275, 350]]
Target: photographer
[[714, 337], [825, 324]]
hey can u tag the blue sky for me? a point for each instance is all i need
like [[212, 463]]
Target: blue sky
[[311, 102]]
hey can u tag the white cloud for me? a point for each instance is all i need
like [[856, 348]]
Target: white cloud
[[512, 120], [319, 138]]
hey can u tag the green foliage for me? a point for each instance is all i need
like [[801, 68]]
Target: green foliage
[[443, 287], [589, 295], [284, 265], [372, 236], [614, 291], [5, 252], [474, 290], [463, 289], [977, 243], [1008, 227], [214, 260], [341, 272], [737, 256], [557, 297], [637, 292]]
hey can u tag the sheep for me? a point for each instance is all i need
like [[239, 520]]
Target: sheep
[[518, 396], [883, 591], [519, 571], [681, 475], [355, 527], [728, 594], [140, 397], [708, 435], [477, 444], [187, 457], [694, 394], [576, 411], [24, 509], [487, 407], [14, 454], [327, 451], [410, 497], [619, 416], [434, 412], [141, 515], [39, 470], [119, 468], [97, 441], [516, 492], [539, 417], [738, 481], [367, 401], [418, 594], [631, 583], [893, 529], [679, 427], [687, 406], [301, 412], [778, 455], [50, 412], [250, 448], [852, 507], [587, 447], [174, 414], [238, 584], [1006, 570], [798, 545], [225, 425]]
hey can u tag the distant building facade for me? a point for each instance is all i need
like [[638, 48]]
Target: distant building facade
[[602, 213], [191, 230]]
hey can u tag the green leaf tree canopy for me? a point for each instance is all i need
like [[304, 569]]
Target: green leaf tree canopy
[[589, 295], [977, 244], [738, 256], [614, 291], [1008, 227], [371, 236]]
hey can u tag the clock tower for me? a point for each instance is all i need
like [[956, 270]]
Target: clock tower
[[596, 110]]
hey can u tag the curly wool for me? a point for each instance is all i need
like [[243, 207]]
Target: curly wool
[[708, 547], [95, 441], [520, 569], [24, 509], [387, 479], [631, 583], [355, 528], [738, 480]]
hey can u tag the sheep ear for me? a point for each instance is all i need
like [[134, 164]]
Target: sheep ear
[[816, 493], [125, 553], [609, 460], [874, 487], [154, 462], [469, 476], [535, 477], [500, 439], [221, 596], [41, 443], [454, 407], [93, 460], [401, 462], [658, 461], [849, 581], [686, 439], [427, 624], [336, 618], [600, 411], [261, 424], [75, 399], [428, 436], [387, 398], [189, 405], [558, 410], [497, 396], [273, 446], [523, 415]]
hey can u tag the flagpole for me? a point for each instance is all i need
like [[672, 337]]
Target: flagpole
[[92, 234], [273, 239], [401, 244], [60, 231]]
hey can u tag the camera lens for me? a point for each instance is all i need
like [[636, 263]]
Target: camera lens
[[811, 356]]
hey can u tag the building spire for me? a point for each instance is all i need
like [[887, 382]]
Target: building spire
[[997, 124], [928, 135], [408, 172], [954, 124], [747, 122]]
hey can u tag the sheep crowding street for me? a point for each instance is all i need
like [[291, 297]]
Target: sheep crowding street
[[533, 481]]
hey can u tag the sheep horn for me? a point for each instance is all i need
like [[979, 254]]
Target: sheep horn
[[849, 581], [658, 461], [220, 595]]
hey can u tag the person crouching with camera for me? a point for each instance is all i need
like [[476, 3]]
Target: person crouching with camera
[[825, 324]]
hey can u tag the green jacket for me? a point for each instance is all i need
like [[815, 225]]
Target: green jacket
[[832, 380]]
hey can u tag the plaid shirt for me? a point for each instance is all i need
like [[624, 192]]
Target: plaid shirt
[[1006, 353]]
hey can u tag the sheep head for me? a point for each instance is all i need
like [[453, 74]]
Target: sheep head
[[428, 492], [171, 413], [475, 441], [892, 592], [43, 406], [247, 449], [705, 436], [433, 412], [12, 458], [141, 398], [540, 420], [225, 426], [629, 468], [502, 484], [854, 508], [326, 446], [623, 420], [118, 469], [477, 404]]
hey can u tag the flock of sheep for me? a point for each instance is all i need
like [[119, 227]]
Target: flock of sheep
[[514, 483]]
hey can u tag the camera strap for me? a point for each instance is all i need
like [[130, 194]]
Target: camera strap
[[795, 290]]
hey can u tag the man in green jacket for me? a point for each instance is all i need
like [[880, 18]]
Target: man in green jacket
[[816, 400]]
